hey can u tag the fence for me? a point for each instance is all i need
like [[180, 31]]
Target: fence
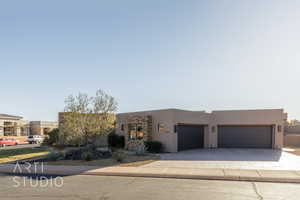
[[292, 140]]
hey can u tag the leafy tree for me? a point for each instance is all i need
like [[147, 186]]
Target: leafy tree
[[85, 118], [52, 137]]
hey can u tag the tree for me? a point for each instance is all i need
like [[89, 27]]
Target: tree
[[52, 137], [85, 118]]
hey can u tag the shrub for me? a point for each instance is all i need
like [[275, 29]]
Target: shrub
[[74, 154], [52, 137], [87, 156], [141, 150], [121, 141], [54, 156], [119, 156], [93, 152], [154, 146], [115, 140]]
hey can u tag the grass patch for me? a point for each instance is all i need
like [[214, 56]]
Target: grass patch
[[10, 155]]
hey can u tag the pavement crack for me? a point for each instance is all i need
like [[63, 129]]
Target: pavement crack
[[260, 197]]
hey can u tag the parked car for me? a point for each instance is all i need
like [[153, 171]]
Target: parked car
[[35, 139], [8, 142]]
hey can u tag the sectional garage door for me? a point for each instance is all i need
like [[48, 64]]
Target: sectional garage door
[[190, 137], [245, 136]]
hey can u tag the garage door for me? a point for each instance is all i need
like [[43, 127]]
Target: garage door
[[245, 136], [190, 137]]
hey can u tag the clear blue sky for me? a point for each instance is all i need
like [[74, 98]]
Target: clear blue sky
[[197, 55]]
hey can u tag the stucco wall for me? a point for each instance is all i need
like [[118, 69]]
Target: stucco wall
[[292, 129], [163, 117], [292, 140], [171, 117], [274, 117]]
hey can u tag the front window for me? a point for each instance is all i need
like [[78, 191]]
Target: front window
[[136, 131], [140, 132]]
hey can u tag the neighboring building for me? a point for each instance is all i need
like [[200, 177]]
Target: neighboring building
[[11, 125], [294, 122], [292, 134], [42, 127], [181, 130], [15, 126]]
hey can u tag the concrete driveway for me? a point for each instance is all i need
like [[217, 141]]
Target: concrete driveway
[[252, 159]]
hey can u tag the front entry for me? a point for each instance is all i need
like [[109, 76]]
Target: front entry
[[190, 137]]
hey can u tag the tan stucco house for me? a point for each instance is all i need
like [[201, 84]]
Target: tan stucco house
[[181, 130]]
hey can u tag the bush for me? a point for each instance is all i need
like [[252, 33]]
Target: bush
[[93, 153], [115, 140], [74, 154], [141, 150], [154, 146], [121, 141], [87, 156], [54, 156], [119, 156], [52, 137]]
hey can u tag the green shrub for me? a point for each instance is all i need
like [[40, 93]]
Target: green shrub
[[115, 140], [52, 137], [141, 150], [154, 146], [87, 156], [54, 156], [119, 156], [121, 142]]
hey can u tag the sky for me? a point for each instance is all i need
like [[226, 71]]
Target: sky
[[194, 55]]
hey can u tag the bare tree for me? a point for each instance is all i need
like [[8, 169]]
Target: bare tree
[[86, 117]]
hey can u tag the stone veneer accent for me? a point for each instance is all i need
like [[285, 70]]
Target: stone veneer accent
[[146, 122]]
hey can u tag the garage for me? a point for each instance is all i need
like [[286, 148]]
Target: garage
[[190, 137], [245, 136]]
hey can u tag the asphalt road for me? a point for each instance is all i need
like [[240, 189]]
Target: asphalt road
[[105, 188], [20, 146]]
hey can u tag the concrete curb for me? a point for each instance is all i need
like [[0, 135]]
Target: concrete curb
[[247, 179], [195, 177], [176, 173]]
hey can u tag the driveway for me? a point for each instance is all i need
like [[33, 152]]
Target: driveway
[[252, 159]]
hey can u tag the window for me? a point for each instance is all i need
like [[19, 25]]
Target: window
[[140, 132], [136, 131], [161, 128], [279, 128], [132, 131], [122, 127]]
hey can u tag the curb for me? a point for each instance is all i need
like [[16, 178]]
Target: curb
[[195, 177], [170, 176]]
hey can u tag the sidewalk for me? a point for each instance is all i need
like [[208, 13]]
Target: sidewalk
[[180, 173]]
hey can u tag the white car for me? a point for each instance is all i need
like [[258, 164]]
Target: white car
[[35, 139]]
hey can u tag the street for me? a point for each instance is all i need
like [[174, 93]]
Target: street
[[20, 146], [104, 188]]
